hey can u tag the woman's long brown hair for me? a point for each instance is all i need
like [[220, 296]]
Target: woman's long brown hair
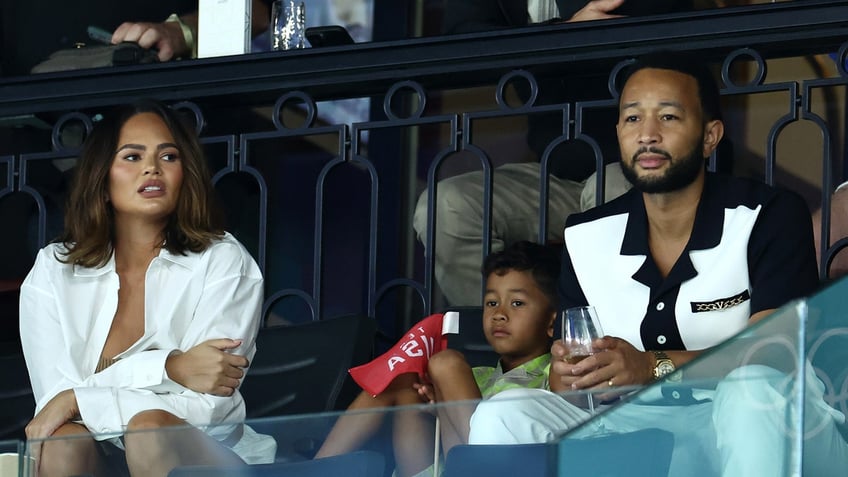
[[89, 219]]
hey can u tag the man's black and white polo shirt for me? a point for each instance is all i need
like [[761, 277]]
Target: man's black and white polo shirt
[[751, 249]]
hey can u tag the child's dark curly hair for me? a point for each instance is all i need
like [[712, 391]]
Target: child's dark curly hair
[[541, 261]]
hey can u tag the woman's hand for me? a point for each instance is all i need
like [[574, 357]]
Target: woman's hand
[[61, 409], [208, 367]]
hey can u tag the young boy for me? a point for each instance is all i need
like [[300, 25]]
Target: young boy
[[519, 310]]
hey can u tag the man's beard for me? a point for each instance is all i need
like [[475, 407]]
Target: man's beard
[[680, 173]]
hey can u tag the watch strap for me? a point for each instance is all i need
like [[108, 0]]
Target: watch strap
[[661, 361]]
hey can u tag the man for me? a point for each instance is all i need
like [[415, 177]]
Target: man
[[462, 16], [31, 31], [838, 230], [176, 37], [515, 203], [674, 267]]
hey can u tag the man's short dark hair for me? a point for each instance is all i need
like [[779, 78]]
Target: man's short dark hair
[[708, 91], [541, 261]]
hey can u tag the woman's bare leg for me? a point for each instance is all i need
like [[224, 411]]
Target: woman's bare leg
[[157, 441], [71, 450], [66, 454]]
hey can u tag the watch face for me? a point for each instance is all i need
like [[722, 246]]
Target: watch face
[[664, 368]]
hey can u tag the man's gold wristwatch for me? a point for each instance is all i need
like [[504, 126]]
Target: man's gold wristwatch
[[664, 365]]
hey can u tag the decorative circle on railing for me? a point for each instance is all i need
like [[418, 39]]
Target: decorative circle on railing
[[612, 83], [500, 93], [67, 121], [841, 57], [295, 97], [194, 109], [389, 100], [759, 75]]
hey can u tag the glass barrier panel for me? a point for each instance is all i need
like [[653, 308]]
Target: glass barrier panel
[[11, 458], [374, 442], [734, 405], [738, 409]]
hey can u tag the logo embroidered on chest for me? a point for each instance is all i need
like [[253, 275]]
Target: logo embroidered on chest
[[721, 303]]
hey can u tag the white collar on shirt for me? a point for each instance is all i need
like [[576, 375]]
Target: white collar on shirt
[[188, 261]]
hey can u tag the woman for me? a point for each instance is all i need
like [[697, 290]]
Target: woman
[[143, 314]]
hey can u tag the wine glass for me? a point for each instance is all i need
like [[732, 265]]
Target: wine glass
[[580, 326]]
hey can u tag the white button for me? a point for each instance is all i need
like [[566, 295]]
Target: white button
[[661, 339], [660, 306], [675, 394]]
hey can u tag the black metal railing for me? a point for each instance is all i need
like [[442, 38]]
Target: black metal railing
[[325, 204]]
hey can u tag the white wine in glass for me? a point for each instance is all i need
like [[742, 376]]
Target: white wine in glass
[[580, 326]]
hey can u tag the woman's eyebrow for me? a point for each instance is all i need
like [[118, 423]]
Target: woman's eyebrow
[[131, 146]]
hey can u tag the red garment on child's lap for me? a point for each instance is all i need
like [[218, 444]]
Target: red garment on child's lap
[[409, 355]]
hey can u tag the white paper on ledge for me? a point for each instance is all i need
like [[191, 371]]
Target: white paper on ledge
[[223, 27]]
